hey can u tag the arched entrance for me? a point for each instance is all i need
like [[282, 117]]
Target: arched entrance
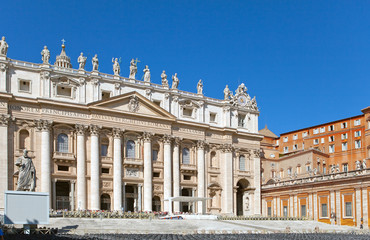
[[242, 204], [156, 204], [105, 202]]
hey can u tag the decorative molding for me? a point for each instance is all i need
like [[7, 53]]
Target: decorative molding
[[147, 136], [256, 153], [3, 67], [201, 144], [95, 129], [177, 141], [81, 129], [166, 139], [4, 119], [117, 86], [117, 132], [43, 125], [226, 148]]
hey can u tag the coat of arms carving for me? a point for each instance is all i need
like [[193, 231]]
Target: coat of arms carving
[[133, 105]]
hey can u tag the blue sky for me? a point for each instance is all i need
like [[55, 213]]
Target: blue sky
[[307, 62]]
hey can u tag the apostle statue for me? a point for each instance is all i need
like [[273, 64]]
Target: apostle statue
[[358, 165], [364, 164], [133, 69], [3, 47], [116, 67], [175, 81], [95, 62], [45, 53], [146, 74], [164, 79], [26, 173], [81, 61], [200, 87], [227, 93]]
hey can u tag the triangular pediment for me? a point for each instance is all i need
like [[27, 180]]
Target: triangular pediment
[[132, 103]]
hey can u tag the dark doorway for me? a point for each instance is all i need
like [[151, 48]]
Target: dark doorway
[[185, 206], [242, 186], [105, 202], [156, 204], [62, 195]]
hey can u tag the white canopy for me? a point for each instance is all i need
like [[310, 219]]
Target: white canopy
[[186, 199]]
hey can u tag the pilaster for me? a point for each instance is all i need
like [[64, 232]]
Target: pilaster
[[4, 157]]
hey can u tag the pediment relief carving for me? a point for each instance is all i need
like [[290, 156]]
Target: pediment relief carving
[[63, 80], [189, 104]]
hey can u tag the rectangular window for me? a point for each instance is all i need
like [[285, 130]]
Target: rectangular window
[[331, 148], [212, 117], [358, 144], [63, 168], [241, 120], [348, 209], [344, 125], [316, 131], [269, 211], [285, 139], [105, 95], [358, 134], [303, 210], [295, 147], [331, 128], [188, 112], [187, 177], [155, 155], [344, 146], [64, 91], [285, 211], [322, 140], [322, 130], [105, 170], [331, 139], [157, 102], [295, 137], [316, 141], [345, 167], [357, 122], [104, 150], [344, 136], [286, 149], [304, 134], [156, 174], [324, 210], [308, 168], [24, 86]]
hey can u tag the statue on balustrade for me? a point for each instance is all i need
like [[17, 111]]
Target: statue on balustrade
[[116, 67], [26, 173], [200, 87], [175, 81], [146, 74], [358, 165], [45, 53], [81, 61], [227, 93], [3, 47], [95, 63], [133, 68], [164, 79]]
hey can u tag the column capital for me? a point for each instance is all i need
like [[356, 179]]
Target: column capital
[[226, 148], [147, 136], [95, 129], [140, 185], [4, 119], [167, 139], [256, 153], [81, 129], [43, 125], [201, 144], [117, 132], [177, 141]]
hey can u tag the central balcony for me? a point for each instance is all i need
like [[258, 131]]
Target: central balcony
[[133, 162], [188, 168], [64, 156]]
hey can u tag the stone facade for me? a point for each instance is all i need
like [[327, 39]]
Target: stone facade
[[101, 141]]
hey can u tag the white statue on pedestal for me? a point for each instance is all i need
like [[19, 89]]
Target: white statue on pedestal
[[175, 81], [133, 68], [164, 79], [200, 87], [81, 61], [95, 63], [364, 164], [227, 93], [358, 165], [116, 67], [45, 53], [26, 173], [146, 74], [3, 47]]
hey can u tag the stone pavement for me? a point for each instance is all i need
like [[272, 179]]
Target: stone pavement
[[126, 226]]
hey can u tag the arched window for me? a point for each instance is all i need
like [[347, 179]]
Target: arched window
[[24, 139], [62, 144], [185, 156], [242, 163], [130, 149]]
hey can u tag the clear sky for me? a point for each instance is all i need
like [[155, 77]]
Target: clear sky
[[307, 62]]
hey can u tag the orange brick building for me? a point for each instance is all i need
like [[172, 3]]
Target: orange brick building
[[322, 172]]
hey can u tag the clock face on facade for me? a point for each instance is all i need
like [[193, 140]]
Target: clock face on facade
[[242, 100]]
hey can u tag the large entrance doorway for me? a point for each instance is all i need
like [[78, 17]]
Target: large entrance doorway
[[62, 195], [156, 204], [242, 185], [105, 202], [185, 206], [131, 196]]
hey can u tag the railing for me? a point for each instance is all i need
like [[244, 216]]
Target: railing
[[106, 159], [25, 64], [64, 155], [133, 161], [69, 70], [188, 167], [260, 218]]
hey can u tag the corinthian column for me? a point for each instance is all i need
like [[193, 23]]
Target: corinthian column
[[176, 174], [4, 163], [148, 184], [227, 172], [117, 170], [81, 166], [201, 175], [257, 181], [167, 192], [94, 178], [44, 126]]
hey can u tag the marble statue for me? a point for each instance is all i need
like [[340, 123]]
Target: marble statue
[[133, 69], [227, 93], [45, 53], [358, 165], [332, 168], [164, 79], [254, 104], [175, 81], [95, 62], [315, 171], [26, 173], [337, 167], [146, 74], [116, 67], [200, 87], [364, 164], [81, 61], [3, 47], [241, 89]]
